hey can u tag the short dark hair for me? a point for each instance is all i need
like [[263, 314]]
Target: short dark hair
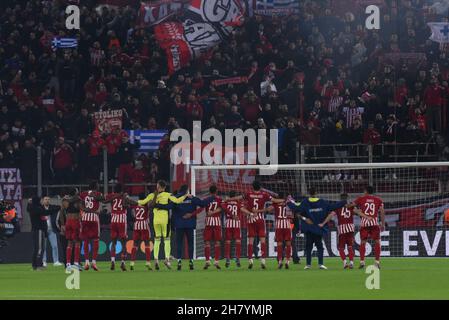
[[256, 185], [183, 189], [281, 195], [213, 189], [312, 191], [369, 189], [93, 185], [142, 196], [232, 194], [344, 196]]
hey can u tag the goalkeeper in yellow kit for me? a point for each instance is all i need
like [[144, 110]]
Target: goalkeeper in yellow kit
[[160, 219]]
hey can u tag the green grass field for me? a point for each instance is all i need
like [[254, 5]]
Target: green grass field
[[425, 278]]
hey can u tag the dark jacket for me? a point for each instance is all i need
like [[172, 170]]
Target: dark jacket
[[126, 152], [179, 210], [38, 214], [316, 210]]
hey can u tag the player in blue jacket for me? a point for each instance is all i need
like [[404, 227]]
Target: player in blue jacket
[[312, 212], [184, 222]]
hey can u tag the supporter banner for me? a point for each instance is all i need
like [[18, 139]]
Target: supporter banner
[[425, 212], [118, 3], [233, 80], [11, 187], [238, 180], [276, 7], [440, 31], [155, 12], [412, 59], [204, 25], [106, 121]]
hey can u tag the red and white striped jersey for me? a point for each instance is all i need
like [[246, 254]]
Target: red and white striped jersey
[[141, 220], [282, 216], [345, 218], [118, 210], [89, 216], [370, 206], [334, 104], [233, 213], [256, 200], [89, 200], [215, 219], [96, 57], [351, 114]]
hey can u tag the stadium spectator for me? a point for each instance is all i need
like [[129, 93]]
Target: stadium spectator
[[63, 155]]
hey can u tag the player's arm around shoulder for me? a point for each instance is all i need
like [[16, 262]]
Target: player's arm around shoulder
[[328, 218], [143, 202], [180, 199]]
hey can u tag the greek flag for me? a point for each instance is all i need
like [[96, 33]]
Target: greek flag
[[149, 139], [276, 7], [440, 31], [64, 43]]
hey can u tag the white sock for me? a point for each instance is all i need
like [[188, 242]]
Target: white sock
[[94, 261], [112, 259]]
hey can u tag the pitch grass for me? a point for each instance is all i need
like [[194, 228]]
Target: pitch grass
[[405, 278]]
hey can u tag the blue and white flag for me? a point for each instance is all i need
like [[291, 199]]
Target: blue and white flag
[[149, 139], [440, 31], [276, 7], [64, 43]]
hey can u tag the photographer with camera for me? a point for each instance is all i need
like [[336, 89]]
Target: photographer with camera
[[39, 215], [8, 222]]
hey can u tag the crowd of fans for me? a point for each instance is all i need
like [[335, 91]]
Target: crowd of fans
[[319, 75]]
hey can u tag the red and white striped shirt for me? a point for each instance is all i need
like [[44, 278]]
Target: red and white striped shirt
[[118, 211], [96, 57], [89, 216], [345, 218], [282, 216], [334, 104], [351, 114], [256, 200], [141, 221], [215, 219], [233, 214], [370, 206]]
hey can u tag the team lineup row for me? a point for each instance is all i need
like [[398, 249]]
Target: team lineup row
[[79, 220]]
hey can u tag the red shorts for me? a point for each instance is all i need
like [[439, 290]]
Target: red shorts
[[346, 239], [118, 231], [212, 233], [256, 229], [143, 235], [72, 229], [233, 234], [90, 230], [283, 235], [372, 232]]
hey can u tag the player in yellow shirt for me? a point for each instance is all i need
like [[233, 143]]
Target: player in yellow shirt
[[160, 219]]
